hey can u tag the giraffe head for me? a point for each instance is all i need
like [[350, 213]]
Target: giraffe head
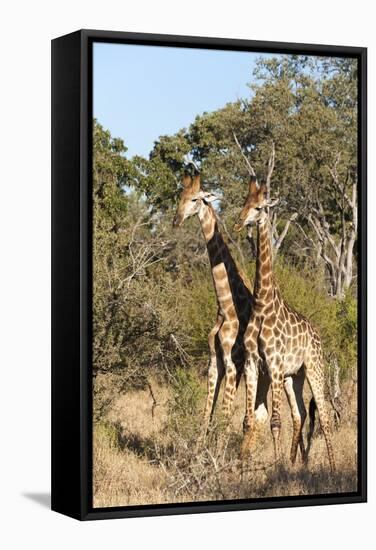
[[256, 203], [192, 199]]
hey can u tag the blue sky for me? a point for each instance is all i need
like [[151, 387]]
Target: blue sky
[[142, 92]]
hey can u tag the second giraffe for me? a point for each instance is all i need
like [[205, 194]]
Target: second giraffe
[[283, 338]]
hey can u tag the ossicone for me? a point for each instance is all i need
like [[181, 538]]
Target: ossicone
[[187, 179], [253, 184]]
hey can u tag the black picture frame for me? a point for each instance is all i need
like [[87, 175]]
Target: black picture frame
[[72, 269]]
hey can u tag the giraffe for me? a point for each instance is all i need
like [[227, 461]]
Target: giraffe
[[284, 339], [235, 301]]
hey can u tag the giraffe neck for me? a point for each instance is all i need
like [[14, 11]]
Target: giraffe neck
[[229, 286], [208, 222], [263, 290]]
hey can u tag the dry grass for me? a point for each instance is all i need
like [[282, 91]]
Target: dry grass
[[145, 454]]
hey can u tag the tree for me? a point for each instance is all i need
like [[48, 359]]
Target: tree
[[306, 108]]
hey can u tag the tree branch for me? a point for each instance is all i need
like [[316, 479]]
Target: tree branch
[[284, 231], [249, 165], [271, 162]]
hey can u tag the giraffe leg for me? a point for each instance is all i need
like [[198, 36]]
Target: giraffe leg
[[260, 410], [221, 373], [261, 407], [277, 388], [230, 386], [251, 377], [303, 413], [227, 335], [215, 374], [228, 399], [312, 415], [295, 415], [315, 375], [294, 390]]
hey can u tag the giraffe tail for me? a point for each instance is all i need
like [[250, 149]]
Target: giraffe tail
[[312, 415], [312, 411]]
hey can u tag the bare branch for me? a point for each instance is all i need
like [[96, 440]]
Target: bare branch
[[283, 234], [324, 226], [333, 170], [249, 165], [155, 402], [318, 230], [341, 188], [314, 245], [270, 169]]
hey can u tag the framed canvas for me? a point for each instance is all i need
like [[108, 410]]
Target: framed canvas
[[208, 274]]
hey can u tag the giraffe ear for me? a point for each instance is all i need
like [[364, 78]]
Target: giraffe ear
[[206, 196], [272, 202]]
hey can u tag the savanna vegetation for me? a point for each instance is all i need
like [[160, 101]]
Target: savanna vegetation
[[154, 301]]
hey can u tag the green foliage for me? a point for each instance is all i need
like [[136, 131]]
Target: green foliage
[[198, 308], [185, 406], [187, 393], [106, 434], [347, 319], [158, 177]]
